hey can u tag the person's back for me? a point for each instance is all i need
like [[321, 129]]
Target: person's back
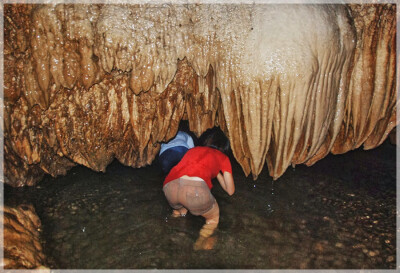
[[173, 151], [202, 162], [181, 139]]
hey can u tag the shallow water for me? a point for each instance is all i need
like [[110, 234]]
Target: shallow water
[[338, 214]]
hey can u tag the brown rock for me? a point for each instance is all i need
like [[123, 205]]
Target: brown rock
[[85, 84], [22, 248], [371, 104]]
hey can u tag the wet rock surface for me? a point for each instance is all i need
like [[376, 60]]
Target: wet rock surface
[[87, 84], [338, 214], [22, 243]]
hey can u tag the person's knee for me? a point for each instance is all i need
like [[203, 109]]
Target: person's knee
[[170, 191]]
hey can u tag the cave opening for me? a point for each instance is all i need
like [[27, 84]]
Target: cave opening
[[339, 213]]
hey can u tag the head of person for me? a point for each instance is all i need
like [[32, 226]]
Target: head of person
[[216, 139]]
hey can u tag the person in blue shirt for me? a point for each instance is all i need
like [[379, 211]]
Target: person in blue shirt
[[173, 151]]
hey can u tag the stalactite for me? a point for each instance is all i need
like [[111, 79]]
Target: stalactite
[[85, 84], [371, 104]]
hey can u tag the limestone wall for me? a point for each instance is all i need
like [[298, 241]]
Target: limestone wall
[[21, 233], [288, 84]]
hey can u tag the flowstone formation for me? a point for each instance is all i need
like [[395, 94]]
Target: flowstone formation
[[22, 246], [84, 84]]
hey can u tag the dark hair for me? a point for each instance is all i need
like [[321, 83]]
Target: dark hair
[[216, 139]]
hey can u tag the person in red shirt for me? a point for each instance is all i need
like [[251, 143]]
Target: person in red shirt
[[187, 186]]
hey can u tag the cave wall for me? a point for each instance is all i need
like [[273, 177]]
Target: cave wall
[[22, 246], [84, 84]]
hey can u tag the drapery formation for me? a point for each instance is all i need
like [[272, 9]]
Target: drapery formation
[[84, 84]]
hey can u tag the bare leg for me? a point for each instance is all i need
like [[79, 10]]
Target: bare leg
[[212, 220]]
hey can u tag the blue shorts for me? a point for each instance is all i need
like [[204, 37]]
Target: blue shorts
[[169, 158]]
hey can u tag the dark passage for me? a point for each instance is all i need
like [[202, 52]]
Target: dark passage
[[338, 214]]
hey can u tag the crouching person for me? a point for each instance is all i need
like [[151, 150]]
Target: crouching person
[[187, 186]]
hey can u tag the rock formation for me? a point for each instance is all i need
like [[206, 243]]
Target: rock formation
[[84, 84], [22, 247]]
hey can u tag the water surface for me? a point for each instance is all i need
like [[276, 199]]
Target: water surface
[[338, 214]]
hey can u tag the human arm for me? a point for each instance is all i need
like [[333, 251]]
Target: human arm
[[226, 182]]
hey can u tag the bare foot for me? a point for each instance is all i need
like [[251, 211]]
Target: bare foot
[[205, 240], [179, 213], [205, 243], [175, 214]]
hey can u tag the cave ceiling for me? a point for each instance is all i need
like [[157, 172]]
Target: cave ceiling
[[288, 84]]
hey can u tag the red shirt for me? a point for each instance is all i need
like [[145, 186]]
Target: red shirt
[[203, 162]]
